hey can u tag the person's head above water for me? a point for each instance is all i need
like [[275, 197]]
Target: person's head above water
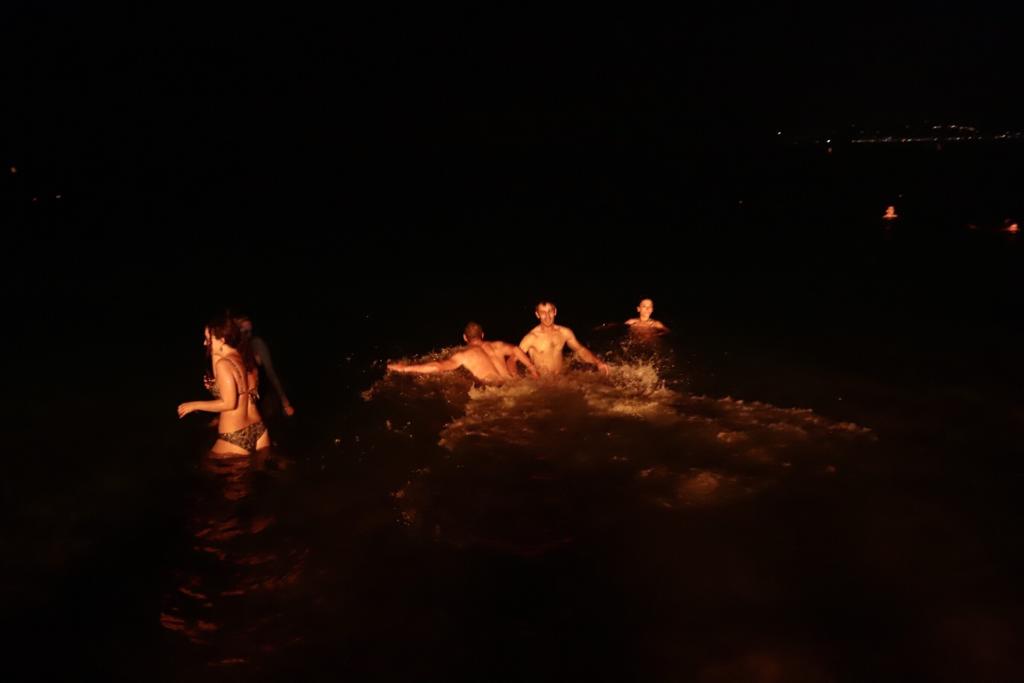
[[546, 312], [244, 324], [473, 332], [645, 323], [645, 309], [224, 330]]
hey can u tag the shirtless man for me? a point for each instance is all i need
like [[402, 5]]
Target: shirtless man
[[645, 322], [489, 361], [545, 343]]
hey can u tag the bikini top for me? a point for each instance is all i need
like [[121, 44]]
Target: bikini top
[[210, 382]]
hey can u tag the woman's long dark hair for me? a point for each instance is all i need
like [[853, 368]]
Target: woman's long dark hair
[[225, 326]]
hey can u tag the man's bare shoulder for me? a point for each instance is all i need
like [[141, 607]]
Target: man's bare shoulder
[[531, 334]]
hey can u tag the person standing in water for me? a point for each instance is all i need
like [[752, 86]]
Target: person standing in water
[[488, 361], [545, 343], [645, 323], [240, 429], [261, 352]]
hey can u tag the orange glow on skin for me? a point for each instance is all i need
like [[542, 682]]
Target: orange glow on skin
[[1012, 228], [890, 213]]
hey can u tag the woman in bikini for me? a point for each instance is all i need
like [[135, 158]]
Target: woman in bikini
[[233, 385]]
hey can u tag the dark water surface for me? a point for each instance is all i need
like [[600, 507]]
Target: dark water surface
[[814, 478]]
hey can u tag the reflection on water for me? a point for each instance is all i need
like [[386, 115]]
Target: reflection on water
[[233, 588]]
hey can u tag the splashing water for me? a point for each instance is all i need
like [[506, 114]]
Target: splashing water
[[520, 461]]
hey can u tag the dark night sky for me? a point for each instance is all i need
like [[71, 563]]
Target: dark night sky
[[183, 107], [163, 77]]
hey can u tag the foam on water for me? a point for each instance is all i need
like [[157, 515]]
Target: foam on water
[[533, 453]]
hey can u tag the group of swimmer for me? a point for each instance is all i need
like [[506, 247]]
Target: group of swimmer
[[540, 352], [236, 357]]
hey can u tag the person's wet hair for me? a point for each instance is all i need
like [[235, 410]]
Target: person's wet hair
[[226, 326], [473, 331], [544, 302]]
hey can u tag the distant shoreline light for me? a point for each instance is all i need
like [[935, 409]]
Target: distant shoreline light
[[910, 134], [890, 139]]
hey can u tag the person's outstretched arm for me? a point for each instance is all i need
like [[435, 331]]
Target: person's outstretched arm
[[430, 368], [524, 360], [583, 352], [262, 352], [527, 342]]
